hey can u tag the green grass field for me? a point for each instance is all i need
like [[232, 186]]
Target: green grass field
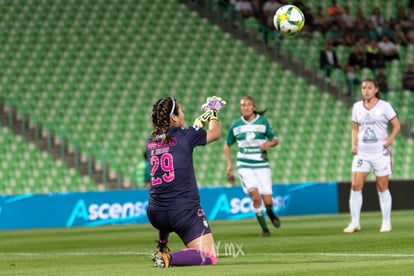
[[304, 245]]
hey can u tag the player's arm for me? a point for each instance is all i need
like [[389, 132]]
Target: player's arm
[[272, 140], [396, 126], [214, 130], [227, 155], [273, 143], [354, 137], [269, 144]]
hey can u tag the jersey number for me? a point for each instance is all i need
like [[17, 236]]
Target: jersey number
[[166, 163]]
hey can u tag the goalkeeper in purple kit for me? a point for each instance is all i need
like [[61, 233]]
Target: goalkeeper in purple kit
[[174, 203]]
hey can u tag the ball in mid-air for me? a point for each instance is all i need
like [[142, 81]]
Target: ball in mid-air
[[289, 20]]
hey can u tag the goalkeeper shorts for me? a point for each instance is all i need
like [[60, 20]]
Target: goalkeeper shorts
[[188, 224]]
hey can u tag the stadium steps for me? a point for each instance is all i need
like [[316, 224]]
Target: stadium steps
[[57, 148], [26, 169]]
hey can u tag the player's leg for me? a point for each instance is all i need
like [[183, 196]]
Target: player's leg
[[385, 201], [193, 229], [258, 210], [200, 251], [268, 202], [360, 169], [250, 184], [159, 219], [162, 245], [265, 189], [383, 169], [355, 201], [204, 243]]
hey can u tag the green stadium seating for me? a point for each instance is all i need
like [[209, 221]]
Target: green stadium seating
[[90, 73], [25, 169]]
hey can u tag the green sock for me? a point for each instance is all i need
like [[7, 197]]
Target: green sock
[[269, 211], [261, 219]]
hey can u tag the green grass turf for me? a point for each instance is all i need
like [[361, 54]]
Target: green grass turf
[[304, 245]]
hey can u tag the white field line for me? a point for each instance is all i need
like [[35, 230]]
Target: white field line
[[316, 254]]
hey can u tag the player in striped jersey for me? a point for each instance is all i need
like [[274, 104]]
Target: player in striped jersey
[[254, 136]]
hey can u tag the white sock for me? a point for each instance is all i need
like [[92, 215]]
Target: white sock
[[257, 210], [385, 204], [355, 204]]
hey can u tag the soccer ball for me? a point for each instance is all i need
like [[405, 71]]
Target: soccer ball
[[289, 20]]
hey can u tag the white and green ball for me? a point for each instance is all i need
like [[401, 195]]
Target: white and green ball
[[289, 20]]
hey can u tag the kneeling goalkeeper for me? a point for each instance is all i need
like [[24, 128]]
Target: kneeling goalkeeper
[[174, 203]]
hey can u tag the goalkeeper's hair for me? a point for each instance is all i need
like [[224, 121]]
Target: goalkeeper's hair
[[254, 104], [162, 111]]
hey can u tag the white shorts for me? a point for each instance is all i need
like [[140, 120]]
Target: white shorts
[[380, 163], [260, 179]]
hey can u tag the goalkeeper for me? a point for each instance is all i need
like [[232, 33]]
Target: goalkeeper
[[174, 202]]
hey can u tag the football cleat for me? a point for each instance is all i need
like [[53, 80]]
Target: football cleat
[[385, 227], [265, 233], [276, 221], [352, 228], [161, 260]]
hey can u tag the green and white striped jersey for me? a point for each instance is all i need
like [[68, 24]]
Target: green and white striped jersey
[[249, 136]]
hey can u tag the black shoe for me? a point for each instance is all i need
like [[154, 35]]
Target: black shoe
[[265, 233], [161, 248], [276, 221]]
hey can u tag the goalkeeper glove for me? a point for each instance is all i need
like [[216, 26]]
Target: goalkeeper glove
[[204, 118], [213, 103]]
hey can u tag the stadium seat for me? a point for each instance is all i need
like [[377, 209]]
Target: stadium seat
[[92, 81]]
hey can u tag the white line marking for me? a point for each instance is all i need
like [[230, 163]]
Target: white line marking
[[316, 254], [337, 254]]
